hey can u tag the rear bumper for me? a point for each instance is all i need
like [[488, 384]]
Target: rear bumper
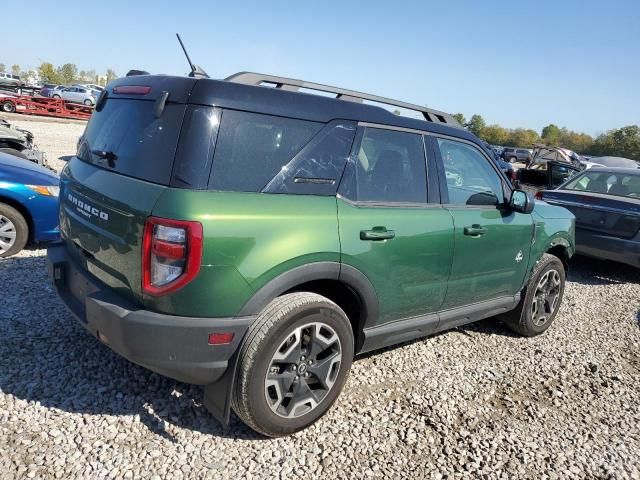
[[172, 346], [609, 248]]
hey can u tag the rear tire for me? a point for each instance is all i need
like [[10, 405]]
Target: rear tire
[[513, 159], [88, 102], [55, 96], [292, 364], [8, 107], [14, 231], [540, 300]]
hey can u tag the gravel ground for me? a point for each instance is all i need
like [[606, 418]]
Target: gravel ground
[[475, 401]]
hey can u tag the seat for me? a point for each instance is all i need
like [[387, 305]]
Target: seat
[[618, 189], [386, 179], [597, 186]]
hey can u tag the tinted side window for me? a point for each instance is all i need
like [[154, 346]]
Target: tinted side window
[[470, 178], [389, 167], [196, 146], [252, 148], [317, 169]]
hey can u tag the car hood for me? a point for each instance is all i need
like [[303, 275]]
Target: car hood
[[18, 170], [11, 133], [544, 210]]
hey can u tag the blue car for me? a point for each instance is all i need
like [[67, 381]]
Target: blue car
[[28, 204]]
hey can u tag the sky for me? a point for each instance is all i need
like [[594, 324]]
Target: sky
[[517, 63]]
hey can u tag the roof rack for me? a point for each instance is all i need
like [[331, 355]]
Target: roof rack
[[290, 84]]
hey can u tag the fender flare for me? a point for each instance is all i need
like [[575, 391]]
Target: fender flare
[[350, 276]]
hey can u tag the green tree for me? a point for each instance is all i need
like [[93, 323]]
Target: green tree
[[551, 135], [495, 134], [2, 67], [476, 124], [112, 75], [68, 72], [524, 138], [622, 142], [15, 69], [460, 118], [48, 74]]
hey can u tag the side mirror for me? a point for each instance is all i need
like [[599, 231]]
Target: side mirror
[[522, 201]]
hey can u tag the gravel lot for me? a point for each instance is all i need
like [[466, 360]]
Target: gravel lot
[[475, 401]]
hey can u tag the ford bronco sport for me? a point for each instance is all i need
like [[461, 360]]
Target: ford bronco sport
[[251, 236]]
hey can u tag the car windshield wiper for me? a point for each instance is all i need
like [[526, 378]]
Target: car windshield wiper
[[107, 155]]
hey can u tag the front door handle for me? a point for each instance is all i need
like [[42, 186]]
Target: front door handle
[[475, 230], [377, 233]]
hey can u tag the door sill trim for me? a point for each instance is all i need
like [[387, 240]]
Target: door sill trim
[[410, 328]]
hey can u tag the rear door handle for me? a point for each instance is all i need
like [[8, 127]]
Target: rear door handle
[[377, 233], [475, 230]]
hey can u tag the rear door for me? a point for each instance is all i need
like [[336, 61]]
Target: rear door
[[123, 164], [392, 226], [492, 242]]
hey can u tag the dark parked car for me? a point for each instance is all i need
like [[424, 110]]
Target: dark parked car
[[47, 89], [549, 167], [606, 203], [515, 154]]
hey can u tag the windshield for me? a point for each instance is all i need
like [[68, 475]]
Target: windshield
[[619, 184]]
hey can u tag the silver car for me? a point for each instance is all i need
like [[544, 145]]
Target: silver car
[[76, 95]]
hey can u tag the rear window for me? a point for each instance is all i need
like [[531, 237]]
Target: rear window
[[126, 137], [252, 148]]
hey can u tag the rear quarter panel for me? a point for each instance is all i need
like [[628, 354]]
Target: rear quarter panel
[[249, 239]]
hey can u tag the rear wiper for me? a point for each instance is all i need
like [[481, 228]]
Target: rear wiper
[[107, 155]]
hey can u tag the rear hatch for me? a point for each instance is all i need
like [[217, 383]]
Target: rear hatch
[[123, 164], [604, 214]]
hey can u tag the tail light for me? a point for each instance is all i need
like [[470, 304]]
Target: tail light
[[171, 254]]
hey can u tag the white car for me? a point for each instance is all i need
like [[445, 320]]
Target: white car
[[76, 95]]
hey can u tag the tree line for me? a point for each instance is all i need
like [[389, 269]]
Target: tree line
[[620, 142], [63, 74]]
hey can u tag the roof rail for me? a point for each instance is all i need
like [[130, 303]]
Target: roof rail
[[290, 84]]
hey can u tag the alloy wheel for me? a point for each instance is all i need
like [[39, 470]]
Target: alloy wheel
[[7, 234], [303, 370], [545, 298]]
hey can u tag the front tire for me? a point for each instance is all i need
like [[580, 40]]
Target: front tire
[[14, 231], [513, 159], [88, 102], [293, 364], [541, 299]]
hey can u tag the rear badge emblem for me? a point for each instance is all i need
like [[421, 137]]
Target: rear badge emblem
[[519, 257]]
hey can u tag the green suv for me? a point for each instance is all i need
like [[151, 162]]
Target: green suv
[[253, 234]]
